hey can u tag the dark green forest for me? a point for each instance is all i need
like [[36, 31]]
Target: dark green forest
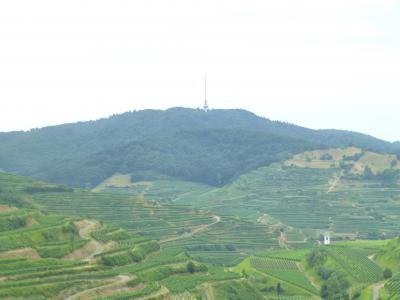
[[212, 147]]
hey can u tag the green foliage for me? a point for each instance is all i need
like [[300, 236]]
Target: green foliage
[[387, 273], [212, 147], [354, 157], [335, 287], [368, 174], [111, 234], [47, 189], [316, 257], [324, 272], [296, 255], [286, 270], [191, 268], [13, 222], [236, 290], [388, 176], [393, 286], [132, 256], [59, 250], [149, 289], [326, 156], [279, 289], [356, 263], [133, 282], [182, 283]]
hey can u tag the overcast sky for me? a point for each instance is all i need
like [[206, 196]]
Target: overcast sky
[[317, 63]]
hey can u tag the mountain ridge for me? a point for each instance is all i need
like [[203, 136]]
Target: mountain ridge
[[211, 147]]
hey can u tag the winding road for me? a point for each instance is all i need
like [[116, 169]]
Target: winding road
[[376, 290], [85, 233]]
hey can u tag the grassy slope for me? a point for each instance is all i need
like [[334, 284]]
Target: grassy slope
[[377, 162], [389, 255]]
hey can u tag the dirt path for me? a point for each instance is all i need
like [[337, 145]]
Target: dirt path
[[92, 248], [208, 291], [6, 208], [83, 295], [217, 219], [85, 233], [25, 252], [335, 182], [376, 290], [282, 241], [313, 282], [97, 250]]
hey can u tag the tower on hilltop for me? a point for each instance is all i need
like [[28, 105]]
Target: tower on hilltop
[[205, 107]]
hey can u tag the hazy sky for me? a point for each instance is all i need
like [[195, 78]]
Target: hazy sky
[[317, 63]]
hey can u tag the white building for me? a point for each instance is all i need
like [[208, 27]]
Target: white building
[[327, 239]]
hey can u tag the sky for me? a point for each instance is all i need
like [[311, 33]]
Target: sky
[[315, 63]]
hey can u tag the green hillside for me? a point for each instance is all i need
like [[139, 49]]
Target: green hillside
[[146, 240], [216, 210], [349, 195], [209, 147], [276, 206], [50, 256]]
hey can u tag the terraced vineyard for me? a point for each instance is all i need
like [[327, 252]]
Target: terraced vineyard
[[311, 199], [132, 267], [283, 269], [393, 287], [356, 263], [288, 298], [306, 202], [207, 237], [293, 255], [159, 190], [163, 238], [228, 242], [47, 235], [269, 263], [138, 215]]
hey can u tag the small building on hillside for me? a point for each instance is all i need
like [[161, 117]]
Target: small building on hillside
[[327, 239]]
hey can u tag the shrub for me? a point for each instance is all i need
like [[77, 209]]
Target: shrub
[[387, 273], [191, 268], [326, 156], [316, 256]]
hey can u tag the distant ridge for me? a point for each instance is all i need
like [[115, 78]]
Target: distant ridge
[[211, 147]]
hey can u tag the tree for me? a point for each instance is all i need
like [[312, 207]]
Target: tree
[[191, 268], [315, 257], [279, 289], [368, 174], [387, 273], [326, 156], [389, 176], [335, 287], [324, 291], [393, 164]]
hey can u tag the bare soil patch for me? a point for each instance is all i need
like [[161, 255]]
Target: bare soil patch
[[25, 252]]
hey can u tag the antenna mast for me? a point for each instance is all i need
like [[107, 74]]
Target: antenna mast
[[205, 107]]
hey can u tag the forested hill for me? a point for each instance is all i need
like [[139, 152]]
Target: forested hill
[[211, 147]]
